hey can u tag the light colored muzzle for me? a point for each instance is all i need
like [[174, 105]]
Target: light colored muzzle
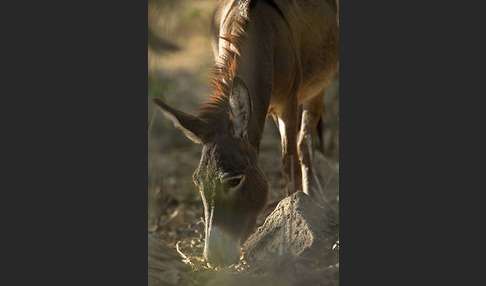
[[220, 248]]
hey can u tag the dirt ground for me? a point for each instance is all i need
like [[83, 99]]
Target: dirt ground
[[177, 74]]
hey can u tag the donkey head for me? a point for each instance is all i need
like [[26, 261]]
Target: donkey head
[[232, 186]]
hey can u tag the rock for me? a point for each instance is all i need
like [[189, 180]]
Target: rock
[[309, 234], [165, 266], [328, 176]]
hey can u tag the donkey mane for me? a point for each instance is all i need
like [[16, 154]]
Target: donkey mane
[[221, 76]]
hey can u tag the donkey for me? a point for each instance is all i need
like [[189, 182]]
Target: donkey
[[272, 56]]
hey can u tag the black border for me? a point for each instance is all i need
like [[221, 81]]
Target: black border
[[410, 128], [74, 116], [76, 143]]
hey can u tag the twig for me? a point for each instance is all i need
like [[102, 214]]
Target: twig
[[186, 259], [151, 122]]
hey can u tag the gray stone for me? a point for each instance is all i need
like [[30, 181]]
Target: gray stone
[[298, 227]]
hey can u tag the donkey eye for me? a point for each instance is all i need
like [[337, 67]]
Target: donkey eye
[[234, 182]]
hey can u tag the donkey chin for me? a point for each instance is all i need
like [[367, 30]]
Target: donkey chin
[[221, 248]]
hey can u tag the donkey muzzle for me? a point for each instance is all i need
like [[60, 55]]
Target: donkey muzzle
[[220, 248]]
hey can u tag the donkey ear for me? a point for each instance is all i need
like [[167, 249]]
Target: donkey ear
[[240, 107], [192, 126]]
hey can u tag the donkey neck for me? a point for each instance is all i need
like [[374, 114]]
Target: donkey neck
[[244, 50], [256, 72]]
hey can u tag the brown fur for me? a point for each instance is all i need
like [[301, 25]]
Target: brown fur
[[271, 56]]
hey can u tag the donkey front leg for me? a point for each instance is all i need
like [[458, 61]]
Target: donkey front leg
[[287, 124], [311, 112]]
